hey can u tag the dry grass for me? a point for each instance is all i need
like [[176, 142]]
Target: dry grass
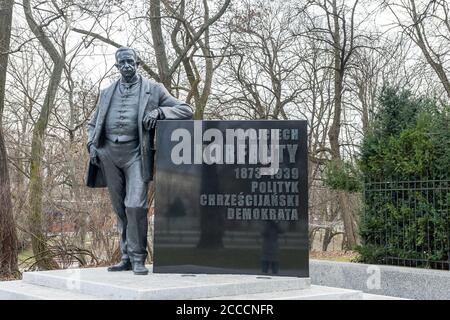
[[340, 256]]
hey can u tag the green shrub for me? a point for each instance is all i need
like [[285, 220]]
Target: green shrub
[[404, 162], [342, 176]]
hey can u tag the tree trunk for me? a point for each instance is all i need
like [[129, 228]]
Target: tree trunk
[[335, 128], [362, 92], [311, 236], [349, 220], [35, 219], [327, 237], [8, 236], [158, 43]]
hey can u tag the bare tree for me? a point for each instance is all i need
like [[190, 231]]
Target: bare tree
[[315, 105], [37, 148], [258, 79], [337, 27], [196, 39], [427, 24], [8, 237], [187, 37], [319, 60]]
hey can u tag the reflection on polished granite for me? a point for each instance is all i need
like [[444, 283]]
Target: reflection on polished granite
[[224, 217]]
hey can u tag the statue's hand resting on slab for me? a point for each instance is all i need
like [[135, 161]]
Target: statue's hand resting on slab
[[151, 118]]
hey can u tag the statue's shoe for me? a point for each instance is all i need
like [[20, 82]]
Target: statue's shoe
[[124, 265], [139, 268]]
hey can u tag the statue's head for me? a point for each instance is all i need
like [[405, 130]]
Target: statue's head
[[127, 62]]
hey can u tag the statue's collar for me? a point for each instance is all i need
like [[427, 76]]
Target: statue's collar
[[130, 84]]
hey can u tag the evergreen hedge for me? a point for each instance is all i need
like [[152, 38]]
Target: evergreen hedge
[[405, 162]]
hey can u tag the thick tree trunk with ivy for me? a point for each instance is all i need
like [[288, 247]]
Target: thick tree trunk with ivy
[[35, 218], [8, 236]]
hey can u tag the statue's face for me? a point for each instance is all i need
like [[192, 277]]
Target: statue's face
[[127, 64]]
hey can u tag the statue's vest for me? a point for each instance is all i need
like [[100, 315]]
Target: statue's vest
[[122, 118]]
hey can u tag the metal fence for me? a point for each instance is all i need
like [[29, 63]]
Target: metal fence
[[407, 222]]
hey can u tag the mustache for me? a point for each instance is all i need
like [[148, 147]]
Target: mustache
[[127, 68]]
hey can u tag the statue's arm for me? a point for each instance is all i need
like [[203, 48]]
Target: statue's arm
[[91, 124], [171, 107]]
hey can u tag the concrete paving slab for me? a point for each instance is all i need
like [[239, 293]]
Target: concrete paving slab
[[369, 296], [19, 290], [125, 285], [394, 281], [312, 293], [98, 283]]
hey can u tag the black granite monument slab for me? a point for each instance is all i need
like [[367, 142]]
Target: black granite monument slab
[[231, 197]]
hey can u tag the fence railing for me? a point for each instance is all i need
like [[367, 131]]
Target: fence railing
[[407, 223]]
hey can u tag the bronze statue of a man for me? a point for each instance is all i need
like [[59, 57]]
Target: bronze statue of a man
[[120, 137]]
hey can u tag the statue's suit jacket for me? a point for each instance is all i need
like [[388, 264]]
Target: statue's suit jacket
[[152, 95]]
